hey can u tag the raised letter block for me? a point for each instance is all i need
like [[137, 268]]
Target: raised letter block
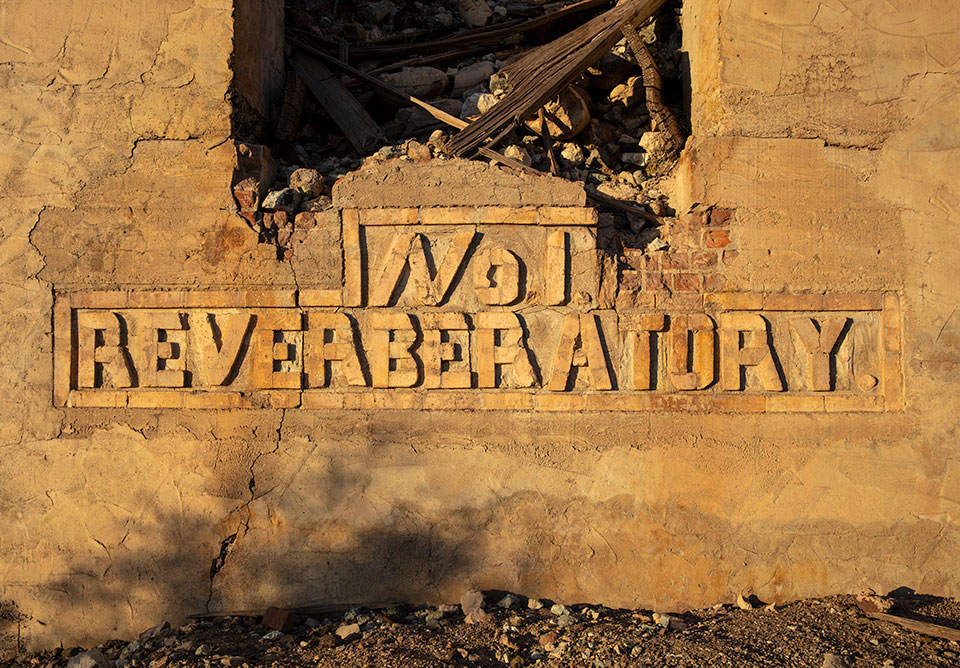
[[393, 342], [756, 353], [509, 351], [454, 352], [272, 351], [820, 345], [691, 369]]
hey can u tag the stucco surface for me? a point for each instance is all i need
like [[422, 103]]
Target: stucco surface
[[829, 127]]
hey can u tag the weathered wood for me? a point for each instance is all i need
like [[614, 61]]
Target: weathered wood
[[476, 39], [926, 628], [543, 72], [662, 117], [349, 115], [293, 95]]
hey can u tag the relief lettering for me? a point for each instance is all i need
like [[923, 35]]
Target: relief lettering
[[278, 362], [755, 352], [102, 356], [500, 343], [641, 342], [413, 251], [164, 359], [331, 340], [820, 340], [580, 346], [220, 344], [496, 277], [692, 351], [446, 350], [393, 362]]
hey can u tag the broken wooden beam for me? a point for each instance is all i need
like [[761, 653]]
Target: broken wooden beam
[[349, 115], [663, 118], [543, 72], [926, 628]]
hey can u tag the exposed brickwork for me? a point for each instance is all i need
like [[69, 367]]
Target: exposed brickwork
[[700, 247]]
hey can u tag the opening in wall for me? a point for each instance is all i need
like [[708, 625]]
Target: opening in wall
[[586, 90]]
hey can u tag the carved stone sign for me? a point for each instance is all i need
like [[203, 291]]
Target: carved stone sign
[[482, 308]]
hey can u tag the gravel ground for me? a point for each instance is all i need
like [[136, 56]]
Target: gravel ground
[[815, 632]]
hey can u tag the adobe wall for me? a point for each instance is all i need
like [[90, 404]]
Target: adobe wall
[[818, 190]]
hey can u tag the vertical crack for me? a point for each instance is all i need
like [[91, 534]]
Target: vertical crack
[[226, 545]]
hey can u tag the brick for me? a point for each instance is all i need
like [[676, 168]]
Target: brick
[[686, 282], [792, 302], [322, 400], [635, 259], [834, 403], [559, 402], [212, 400], [321, 297], [654, 281], [390, 399], [448, 215], [631, 280], [451, 401], [730, 256], [714, 282], [736, 301], [158, 399], [97, 399], [567, 215], [390, 216], [700, 260], [282, 398], [507, 401], [684, 302], [271, 298], [784, 403], [279, 619], [618, 402], [679, 260], [739, 403], [720, 217], [679, 402], [716, 238], [98, 299], [627, 301], [505, 215], [852, 301]]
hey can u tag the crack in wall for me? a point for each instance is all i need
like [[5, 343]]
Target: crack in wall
[[218, 563]]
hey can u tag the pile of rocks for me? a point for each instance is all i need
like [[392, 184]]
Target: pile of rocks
[[600, 129]]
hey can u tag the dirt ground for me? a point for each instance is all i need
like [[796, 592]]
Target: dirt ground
[[825, 632]]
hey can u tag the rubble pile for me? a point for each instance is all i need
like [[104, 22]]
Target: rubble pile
[[498, 629], [455, 56]]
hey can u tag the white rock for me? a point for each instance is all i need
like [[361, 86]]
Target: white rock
[[507, 601], [89, 659], [534, 603], [573, 155], [471, 107], [422, 82], [472, 75], [347, 630], [559, 609], [486, 102], [743, 603], [521, 154], [308, 182], [475, 13]]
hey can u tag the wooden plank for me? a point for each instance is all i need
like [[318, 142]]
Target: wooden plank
[[349, 115], [926, 628], [542, 73]]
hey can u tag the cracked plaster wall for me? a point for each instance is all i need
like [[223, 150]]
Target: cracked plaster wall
[[830, 127]]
